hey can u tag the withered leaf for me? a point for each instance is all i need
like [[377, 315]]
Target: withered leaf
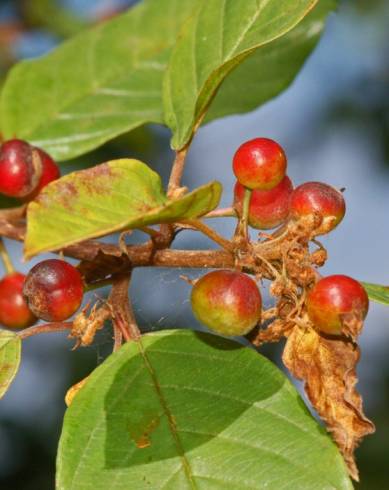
[[327, 366]]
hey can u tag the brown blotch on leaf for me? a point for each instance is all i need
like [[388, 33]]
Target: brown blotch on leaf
[[142, 439], [328, 368]]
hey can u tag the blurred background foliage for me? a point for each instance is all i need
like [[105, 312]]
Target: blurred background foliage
[[333, 122]]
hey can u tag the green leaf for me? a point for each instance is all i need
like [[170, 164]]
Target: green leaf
[[221, 35], [272, 68], [182, 411], [54, 17], [100, 84], [10, 349], [114, 196], [377, 293]]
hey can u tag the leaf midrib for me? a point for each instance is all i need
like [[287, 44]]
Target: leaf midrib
[[172, 426]]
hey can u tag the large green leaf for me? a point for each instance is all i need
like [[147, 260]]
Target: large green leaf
[[114, 196], [215, 40], [107, 80], [377, 293], [10, 347], [183, 411], [269, 70], [96, 86]]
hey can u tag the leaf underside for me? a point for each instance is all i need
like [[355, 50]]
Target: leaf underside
[[10, 349], [181, 411], [114, 196]]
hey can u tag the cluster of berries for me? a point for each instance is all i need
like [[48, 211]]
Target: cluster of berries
[[53, 289], [228, 301]]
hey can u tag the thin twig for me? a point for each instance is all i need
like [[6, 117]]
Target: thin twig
[[243, 225], [150, 231], [221, 213], [123, 315], [6, 259], [143, 255], [45, 328], [13, 214], [177, 171], [209, 232]]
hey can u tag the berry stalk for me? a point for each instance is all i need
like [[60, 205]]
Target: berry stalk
[[6, 259]]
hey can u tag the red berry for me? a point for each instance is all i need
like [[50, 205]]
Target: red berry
[[332, 299], [18, 173], [321, 199], [54, 290], [50, 172], [268, 209], [226, 301], [22, 175], [259, 164], [14, 312]]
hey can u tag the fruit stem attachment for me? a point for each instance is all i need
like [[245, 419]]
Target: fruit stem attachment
[[242, 229], [209, 232], [45, 328], [6, 259]]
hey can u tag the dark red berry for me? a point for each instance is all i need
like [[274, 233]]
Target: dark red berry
[[260, 164], [268, 209], [321, 199], [19, 174], [333, 299], [14, 312], [226, 301], [54, 290], [24, 169]]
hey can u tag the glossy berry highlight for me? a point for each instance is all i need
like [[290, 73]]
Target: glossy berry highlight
[[54, 290], [267, 209], [259, 164], [333, 299], [321, 199], [227, 302], [14, 311]]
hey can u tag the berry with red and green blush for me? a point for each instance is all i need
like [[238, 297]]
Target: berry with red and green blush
[[334, 299], [317, 198], [54, 290], [260, 164], [227, 302], [267, 209], [14, 311]]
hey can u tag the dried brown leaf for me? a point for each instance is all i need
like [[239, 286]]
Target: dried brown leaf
[[273, 333], [327, 366]]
